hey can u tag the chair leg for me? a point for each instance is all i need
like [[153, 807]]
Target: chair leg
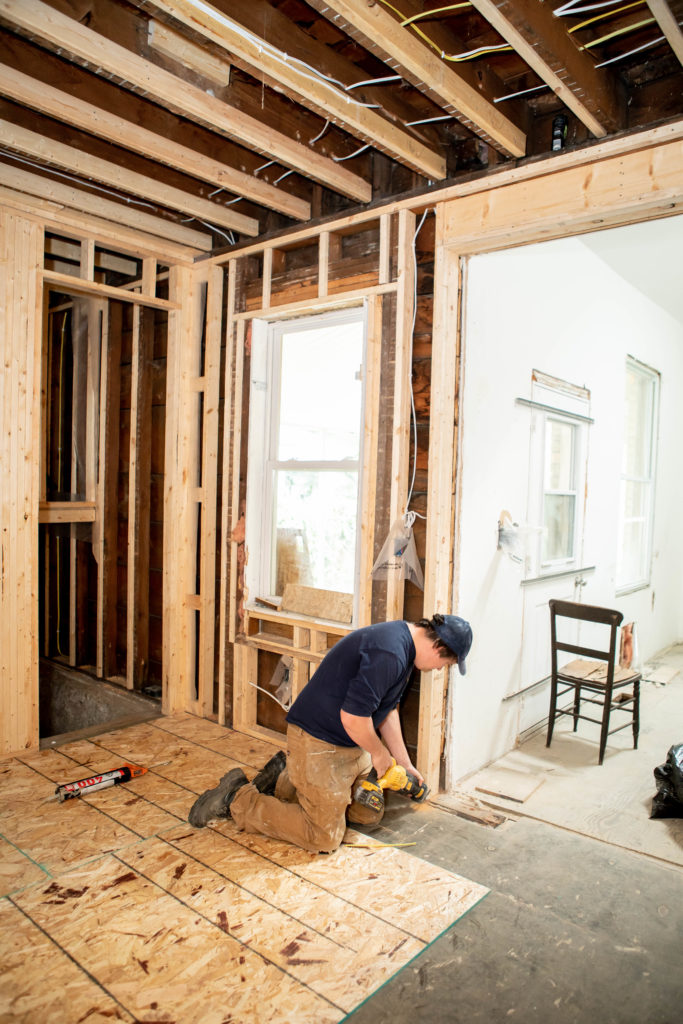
[[551, 714], [636, 713], [577, 704], [605, 725]]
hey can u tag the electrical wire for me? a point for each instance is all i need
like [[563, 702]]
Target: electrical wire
[[618, 32], [410, 516], [434, 10], [339, 159], [568, 9], [522, 92], [479, 52], [605, 14], [630, 53]]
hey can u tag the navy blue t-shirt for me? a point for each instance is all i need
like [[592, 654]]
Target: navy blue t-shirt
[[365, 674]]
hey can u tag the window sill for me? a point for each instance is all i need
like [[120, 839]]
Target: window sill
[[631, 588]]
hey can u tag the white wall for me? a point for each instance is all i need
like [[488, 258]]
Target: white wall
[[559, 308]]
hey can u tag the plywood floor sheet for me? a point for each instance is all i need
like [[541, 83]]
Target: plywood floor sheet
[[112, 908]]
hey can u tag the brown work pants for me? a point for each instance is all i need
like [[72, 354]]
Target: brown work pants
[[312, 795]]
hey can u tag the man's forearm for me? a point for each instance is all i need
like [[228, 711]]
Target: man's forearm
[[362, 731]]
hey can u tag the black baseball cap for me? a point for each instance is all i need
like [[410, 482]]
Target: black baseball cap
[[456, 633]]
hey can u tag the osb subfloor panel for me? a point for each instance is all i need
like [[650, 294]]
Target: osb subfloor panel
[[114, 908]]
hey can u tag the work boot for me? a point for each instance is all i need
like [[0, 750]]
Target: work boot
[[266, 779], [215, 803]]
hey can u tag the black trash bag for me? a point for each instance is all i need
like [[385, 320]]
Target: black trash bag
[[668, 800]]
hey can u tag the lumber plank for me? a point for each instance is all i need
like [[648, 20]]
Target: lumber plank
[[102, 55], [74, 286], [207, 583], [69, 158], [257, 55], [383, 34], [106, 220], [65, 107], [21, 304], [400, 444], [368, 481], [107, 489]]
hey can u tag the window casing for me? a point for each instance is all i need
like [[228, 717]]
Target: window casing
[[636, 518], [305, 434]]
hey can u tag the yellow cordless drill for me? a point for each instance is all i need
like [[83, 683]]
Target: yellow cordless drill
[[369, 790]]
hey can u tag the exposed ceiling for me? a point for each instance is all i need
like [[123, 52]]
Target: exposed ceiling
[[238, 117]]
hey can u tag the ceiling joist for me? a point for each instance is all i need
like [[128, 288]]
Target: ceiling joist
[[113, 217], [267, 62], [65, 107], [84, 165], [541, 40], [669, 26], [398, 47], [101, 55]]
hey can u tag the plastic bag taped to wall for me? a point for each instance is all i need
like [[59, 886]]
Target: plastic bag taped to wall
[[399, 556], [668, 800]]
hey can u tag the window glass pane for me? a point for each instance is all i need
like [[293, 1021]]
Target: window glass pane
[[638, 436], [316, 529], [321, 393], [559, 456], [632, 555], [558, 520], [636, 499]]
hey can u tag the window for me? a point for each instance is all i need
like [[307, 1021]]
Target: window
[[560, 419], [306, 414], [637, 477], [559, 492]]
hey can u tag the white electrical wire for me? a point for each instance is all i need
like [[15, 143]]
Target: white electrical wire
[[410, 516], [522, 92], [79, 181], [428, 120], [339, 159], [645, 46], [569, 8], [320, 134]]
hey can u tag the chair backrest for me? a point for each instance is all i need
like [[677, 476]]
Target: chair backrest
[[585, 613]]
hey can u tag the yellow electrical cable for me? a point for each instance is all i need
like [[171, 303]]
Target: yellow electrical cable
[[437, 10], [418, 31], [606, 14], [618, 32]]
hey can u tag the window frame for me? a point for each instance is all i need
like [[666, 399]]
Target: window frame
[[262, 468], [643, 581]]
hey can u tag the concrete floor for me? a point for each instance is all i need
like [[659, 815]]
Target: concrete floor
[[575, 928]]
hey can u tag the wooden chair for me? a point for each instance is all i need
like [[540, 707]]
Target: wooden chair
[[593, 676]]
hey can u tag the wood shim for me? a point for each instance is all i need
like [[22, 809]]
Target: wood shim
[[322, 604]]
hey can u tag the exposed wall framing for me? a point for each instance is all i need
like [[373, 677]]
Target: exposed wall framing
[[214, 646]]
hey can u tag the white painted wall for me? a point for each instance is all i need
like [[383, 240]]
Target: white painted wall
[[560, 308]]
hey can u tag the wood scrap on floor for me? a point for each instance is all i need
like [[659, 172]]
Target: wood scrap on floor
[[467, 806], [508, 783], [115, 903]]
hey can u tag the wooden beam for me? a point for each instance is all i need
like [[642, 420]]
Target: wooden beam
[[541, 40], [438, 593], [402, 51], [67, 512], [594, 154], [207, 569], [570, 201], [65, 107], [21, 251], [176, 46], [260, 57], [58, 154], [105, 548], [103, 56], [226, 525], [139, 481], [74, 286], [67, 209], [368, 481], [669, 26], [403, 370]]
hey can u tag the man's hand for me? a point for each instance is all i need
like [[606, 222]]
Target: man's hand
[[382, 761]]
